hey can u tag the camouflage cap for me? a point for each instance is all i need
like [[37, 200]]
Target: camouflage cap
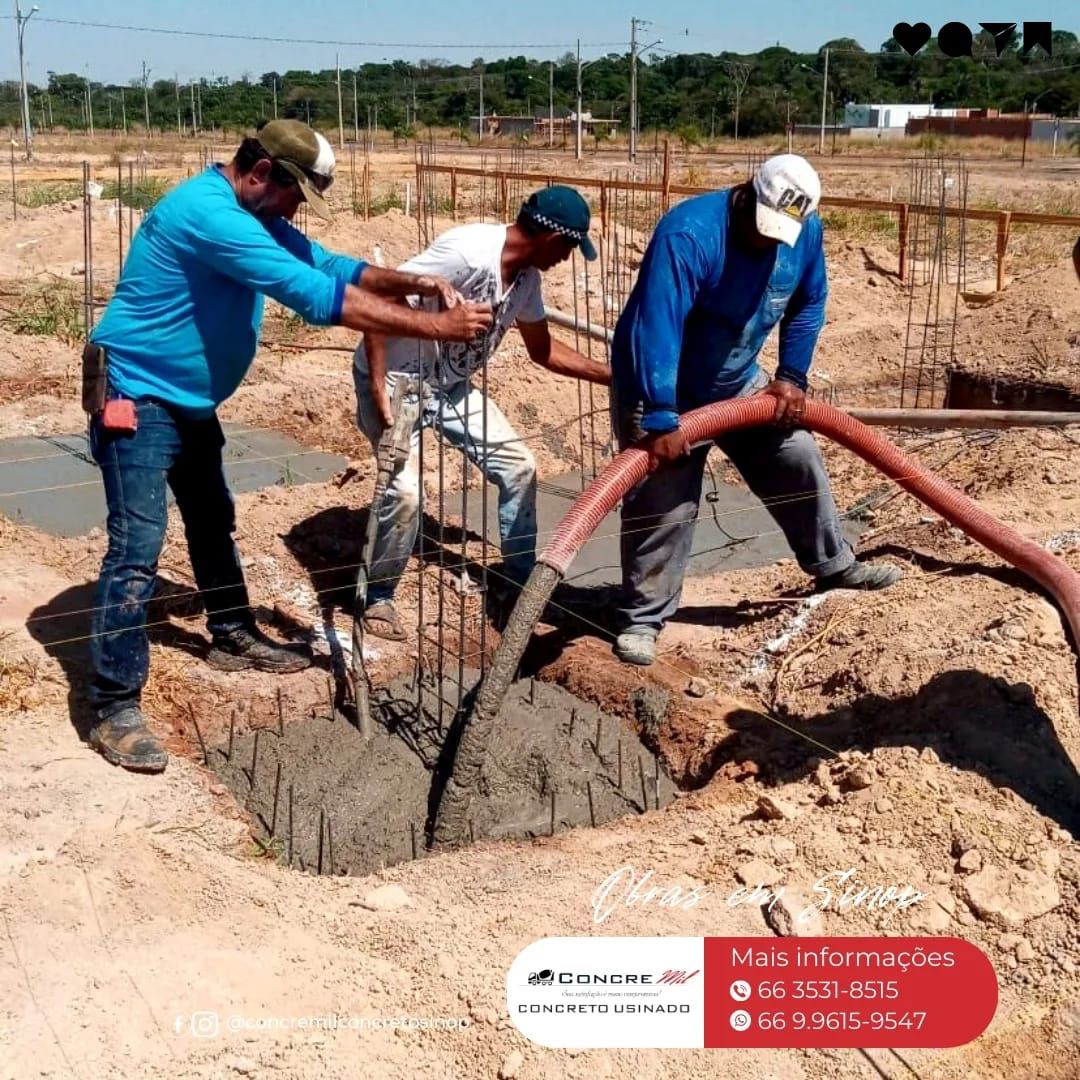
[[305, 155]]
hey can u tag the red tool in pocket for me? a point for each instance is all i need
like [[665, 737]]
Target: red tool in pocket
[[119, 415]]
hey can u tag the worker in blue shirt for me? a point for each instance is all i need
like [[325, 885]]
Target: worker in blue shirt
[[720, 272], [175, 341]]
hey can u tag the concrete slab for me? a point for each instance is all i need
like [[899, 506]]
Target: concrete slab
[[52, 483], [733, 531]]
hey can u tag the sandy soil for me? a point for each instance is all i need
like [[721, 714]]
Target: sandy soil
[[928, 735]]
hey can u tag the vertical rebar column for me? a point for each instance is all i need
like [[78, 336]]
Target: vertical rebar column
[[120, 216], [483, 187], [440, 576], [421, 240], [420, 631], [462, 576], [86, 246], [580, 395], [484, 515], [590, 387], [608, 322], [352, 174]]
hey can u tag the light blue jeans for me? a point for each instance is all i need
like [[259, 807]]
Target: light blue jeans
[[458, 410]]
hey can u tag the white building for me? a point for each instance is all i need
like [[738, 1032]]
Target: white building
[[889, 116]]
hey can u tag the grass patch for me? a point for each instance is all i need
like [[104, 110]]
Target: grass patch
[[858, 225], [53, 310], [141, 196], [37, 195], [390, 200]]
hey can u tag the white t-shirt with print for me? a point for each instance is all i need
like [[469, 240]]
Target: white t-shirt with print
[[470, 258]]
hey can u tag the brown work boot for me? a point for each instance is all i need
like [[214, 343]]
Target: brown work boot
[[124, 739], [249, 648]]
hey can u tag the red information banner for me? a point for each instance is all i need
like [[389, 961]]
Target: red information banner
[[846, 991]]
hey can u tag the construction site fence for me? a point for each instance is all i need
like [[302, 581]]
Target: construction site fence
[[503, 179]]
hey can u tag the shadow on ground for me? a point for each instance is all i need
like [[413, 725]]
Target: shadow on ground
[[972, 721], [62, 626]]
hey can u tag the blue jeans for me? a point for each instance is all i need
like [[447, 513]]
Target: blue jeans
[[167, 448], [458, 410]]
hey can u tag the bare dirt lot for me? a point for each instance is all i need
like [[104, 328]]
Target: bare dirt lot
[[928, 735]]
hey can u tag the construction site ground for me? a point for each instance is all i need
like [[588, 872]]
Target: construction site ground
[[927, 735]]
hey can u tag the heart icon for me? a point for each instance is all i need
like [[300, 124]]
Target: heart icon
[[911, 38]]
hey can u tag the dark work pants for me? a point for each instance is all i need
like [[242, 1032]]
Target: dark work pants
[[781, 466]]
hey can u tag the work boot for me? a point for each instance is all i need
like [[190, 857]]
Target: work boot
[[249, 647], [861, 576], [637, 645], [124, 739]]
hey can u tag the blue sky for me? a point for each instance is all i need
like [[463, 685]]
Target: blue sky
[[543, 31]]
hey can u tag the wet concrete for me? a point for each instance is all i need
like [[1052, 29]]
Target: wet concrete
[[52, 483], [375, 797]]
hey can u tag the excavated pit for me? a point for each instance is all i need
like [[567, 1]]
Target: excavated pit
[[369, 801]]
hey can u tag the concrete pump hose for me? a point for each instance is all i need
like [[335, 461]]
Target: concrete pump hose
[[630, 467], [466, 757]]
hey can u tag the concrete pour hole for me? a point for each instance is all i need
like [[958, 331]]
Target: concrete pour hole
[[325, 801]]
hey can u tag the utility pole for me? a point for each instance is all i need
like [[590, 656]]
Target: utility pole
[[176, 85], [577, 111], [146, 97], [340, 119], [194, 114], [635, 26], [123, 110], [824, 98], [481, 136], [20, 23], [551, 103], [355, 111], [633, 89], [274, 83], [89, 103]]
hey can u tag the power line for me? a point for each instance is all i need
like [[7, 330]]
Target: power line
[[175, 32]]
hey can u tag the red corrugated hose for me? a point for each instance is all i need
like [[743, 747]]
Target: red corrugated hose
[[1050, 571], [465, 757]]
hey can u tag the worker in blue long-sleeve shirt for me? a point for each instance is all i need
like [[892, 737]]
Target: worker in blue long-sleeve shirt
[[176, 340], [720, 272]]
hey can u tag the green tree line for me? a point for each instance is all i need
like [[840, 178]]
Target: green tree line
[[699, 94]]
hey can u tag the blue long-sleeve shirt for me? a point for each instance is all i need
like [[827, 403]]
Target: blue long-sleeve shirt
[[702, 308], [183, 324]]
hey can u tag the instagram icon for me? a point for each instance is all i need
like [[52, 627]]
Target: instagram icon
[[204, 1025]]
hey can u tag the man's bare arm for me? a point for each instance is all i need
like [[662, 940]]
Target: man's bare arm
[[398, 283], [364, 310], [544, 350]]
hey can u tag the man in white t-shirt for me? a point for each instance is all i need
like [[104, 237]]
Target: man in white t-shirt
[[500, 265]]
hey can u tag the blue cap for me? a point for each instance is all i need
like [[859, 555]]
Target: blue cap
[[562, 210]]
